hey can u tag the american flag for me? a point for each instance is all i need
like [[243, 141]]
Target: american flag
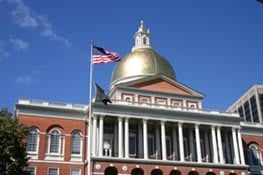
[[101, 55]]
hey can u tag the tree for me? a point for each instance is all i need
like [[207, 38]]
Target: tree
[[13, 157]]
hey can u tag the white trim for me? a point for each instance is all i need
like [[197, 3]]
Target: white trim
[[53, 168]]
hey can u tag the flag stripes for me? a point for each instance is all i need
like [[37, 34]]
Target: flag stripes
[[101, 55]]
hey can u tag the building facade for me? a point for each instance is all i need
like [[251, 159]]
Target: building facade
[[155, 125], [250, 108]]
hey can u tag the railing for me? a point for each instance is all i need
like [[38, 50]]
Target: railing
[[174, 108], [52, 104]]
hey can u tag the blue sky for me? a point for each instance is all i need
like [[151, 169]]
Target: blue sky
[[215, 47]]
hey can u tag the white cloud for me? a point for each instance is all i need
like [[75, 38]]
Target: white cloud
[[29, 78], [24, 17], [47, 31], [18, 43], [24, 79], [3, 54]]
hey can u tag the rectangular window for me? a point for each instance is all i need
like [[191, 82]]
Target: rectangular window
[[75, 171], [261, 102], [31, 170], [132, 144], [144, 100], [254, 109], [240, 111], [168, 147], [247, 111], [161, 102], [186, 149], [151, 147], [177, 103], [52, 171]]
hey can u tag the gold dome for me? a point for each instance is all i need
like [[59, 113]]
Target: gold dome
[[143, 61], [140, 63]]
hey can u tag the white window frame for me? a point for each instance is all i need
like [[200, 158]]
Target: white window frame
[[161, 103], [53, 168], [78, 169], [192, 105], [144, 101], [74, 156], [34, 169], [55, 156], [34, 154], [258, 155]]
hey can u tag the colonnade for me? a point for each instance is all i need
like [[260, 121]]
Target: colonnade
[[186, 139]]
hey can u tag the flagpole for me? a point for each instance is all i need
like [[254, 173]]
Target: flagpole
[[90, 109]]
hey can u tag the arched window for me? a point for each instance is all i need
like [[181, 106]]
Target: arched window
[[32, 140], [54, 142], [137, 171], [76, 143], [210, 173], [193, 173], [255, 155], [110, 171], [175, 172], [156, 172]]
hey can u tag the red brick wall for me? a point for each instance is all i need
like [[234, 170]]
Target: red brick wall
[[66, 126], [166, 169]]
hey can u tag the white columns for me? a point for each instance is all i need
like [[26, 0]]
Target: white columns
[[181, 142], [120, 134], [145, 139], [220, 148], [164, 156], [94, 136], [126, 128], [175, 148], [241, 151], [215, 154], [236, 155], [101, 137], [198, 143]]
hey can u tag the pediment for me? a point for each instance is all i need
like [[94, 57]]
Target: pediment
[[163, 84]]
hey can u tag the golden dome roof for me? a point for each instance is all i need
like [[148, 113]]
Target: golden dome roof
[[141, 62]]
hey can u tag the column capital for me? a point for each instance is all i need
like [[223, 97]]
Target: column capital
[[180, 123], [163, 122], [145, 120], [197, 124]]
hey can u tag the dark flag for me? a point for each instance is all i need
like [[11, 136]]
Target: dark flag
[[101, 96], [101, 55]]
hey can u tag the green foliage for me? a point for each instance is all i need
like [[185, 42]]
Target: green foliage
[[13, 157]]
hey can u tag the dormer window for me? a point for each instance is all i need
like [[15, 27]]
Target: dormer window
[[192, 105], [144, 101], [128, 99], [177, 103]]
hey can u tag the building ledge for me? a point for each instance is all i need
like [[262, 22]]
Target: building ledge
[[168, 162]]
